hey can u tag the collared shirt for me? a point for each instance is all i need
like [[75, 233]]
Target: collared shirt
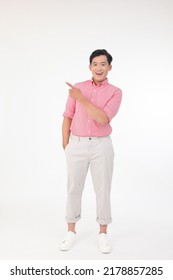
[[105, 96]]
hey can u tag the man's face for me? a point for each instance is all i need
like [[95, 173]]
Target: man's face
[[99, 68]]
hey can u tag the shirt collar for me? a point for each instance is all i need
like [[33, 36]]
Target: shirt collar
[[101, 84]]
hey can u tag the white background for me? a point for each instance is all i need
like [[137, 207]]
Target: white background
[[43, 43]]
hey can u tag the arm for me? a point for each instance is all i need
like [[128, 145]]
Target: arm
[[93, 111], [66, 131]]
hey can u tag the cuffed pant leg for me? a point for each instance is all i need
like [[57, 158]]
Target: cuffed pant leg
[[101, 167]]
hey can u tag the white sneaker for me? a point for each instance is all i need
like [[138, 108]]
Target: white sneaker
[[104, 243], [68, 241]]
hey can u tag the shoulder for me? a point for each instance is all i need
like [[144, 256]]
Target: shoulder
[[82, 84], [115, 89]]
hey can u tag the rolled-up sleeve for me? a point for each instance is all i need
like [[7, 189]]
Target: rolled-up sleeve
[[112, 106], [70, 108]]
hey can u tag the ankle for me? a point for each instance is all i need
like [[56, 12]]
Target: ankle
[[71, 227], [103, 229]]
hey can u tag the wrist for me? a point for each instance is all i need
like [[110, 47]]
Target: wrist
[[64, 144]]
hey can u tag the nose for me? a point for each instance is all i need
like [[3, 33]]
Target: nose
[[99, 67]]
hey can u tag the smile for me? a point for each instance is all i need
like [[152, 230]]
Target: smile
[[99, 74]]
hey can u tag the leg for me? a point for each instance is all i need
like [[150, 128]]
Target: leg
[[101, 171], [101, 167], [77, 167]]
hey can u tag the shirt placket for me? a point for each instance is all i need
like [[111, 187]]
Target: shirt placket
[[89, 119]]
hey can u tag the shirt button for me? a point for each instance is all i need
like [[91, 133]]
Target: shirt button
[[89, 131], [88, 120]]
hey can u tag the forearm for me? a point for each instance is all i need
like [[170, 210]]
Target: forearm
[[93, 111], [66, 131]]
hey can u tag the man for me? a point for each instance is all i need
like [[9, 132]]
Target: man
[[86, 130]]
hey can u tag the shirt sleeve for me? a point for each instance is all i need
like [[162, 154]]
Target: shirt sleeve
[[112, 106], [70, 108]]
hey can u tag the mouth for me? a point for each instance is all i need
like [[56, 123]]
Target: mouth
[[99, 74]]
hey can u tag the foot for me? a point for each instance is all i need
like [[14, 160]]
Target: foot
[[68, 241], [104, 243]]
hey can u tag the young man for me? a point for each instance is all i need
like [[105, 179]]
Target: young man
[[86, 130]]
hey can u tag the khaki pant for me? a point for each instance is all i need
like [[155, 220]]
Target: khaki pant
[[98, 154]]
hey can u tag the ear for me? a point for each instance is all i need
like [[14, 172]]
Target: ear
[[110, 67], [89, 67]]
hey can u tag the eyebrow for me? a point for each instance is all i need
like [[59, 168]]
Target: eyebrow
[[103, 62]]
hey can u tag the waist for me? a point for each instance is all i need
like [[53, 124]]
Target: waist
[[88, 138]]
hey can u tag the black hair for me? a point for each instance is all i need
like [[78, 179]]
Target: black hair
[[101, 52]]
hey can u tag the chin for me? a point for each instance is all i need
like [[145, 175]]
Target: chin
[[99, 79]]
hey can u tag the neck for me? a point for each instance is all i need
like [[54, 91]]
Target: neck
[[98, 82]]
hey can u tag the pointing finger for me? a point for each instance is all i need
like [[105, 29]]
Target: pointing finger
[[70, 85]]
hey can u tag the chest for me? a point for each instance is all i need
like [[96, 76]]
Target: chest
[[98, 96]]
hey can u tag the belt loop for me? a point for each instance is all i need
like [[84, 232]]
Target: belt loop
[[78, 138]]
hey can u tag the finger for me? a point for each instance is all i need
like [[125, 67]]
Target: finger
[[70, 85]]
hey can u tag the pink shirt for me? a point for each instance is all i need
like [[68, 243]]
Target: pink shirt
[[105, 96]]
